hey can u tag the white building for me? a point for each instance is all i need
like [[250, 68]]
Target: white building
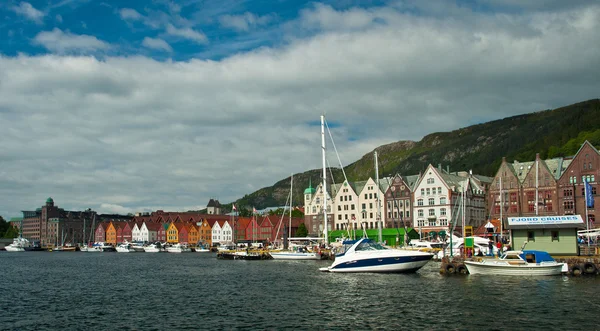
[[313, 209], [346, 206]]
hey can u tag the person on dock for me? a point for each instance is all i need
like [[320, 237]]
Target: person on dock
[[499, 246], [490, 248]]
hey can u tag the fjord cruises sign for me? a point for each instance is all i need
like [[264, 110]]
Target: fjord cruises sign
[[545, 220]]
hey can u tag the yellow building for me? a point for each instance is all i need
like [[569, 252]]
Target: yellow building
[[111, 234], [172, 234], [193, 234]]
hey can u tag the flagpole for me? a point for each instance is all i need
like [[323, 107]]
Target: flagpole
[[587, 219]]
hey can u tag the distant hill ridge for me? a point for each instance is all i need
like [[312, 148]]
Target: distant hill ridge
[[552, 133]]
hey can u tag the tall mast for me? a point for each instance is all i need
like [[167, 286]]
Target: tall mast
[[379, 220], [291, 204], [536, 185], [325, 232], [501, 209]]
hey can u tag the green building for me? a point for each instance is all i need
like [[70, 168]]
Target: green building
[[556, 235]]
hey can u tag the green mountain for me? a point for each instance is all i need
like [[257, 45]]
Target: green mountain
[[552, 133]]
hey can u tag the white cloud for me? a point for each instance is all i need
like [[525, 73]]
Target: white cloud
[[156, 43], [27, 10], [130, 14], [186, 33], [245, 21], [66, 42], [130, 133]]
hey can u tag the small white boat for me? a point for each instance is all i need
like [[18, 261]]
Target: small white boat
[[517, 263], [153, 248], [125, 248], [137, 246], [178, 248], [201, 249], [297, 253], [365, 255], [19, 244]]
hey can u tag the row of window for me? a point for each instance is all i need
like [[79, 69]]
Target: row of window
[[428, 191], [440, 222], [431, 201], [395, 214], [584, 178], [431, 212]]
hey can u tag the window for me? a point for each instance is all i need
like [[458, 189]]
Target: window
[[339, 208], [422, 191], [370, 215], [341, 198], [555, 236], [407, 214], [364, 206], [430, 180], [351, 207], [530, 236], [370, 205], [443, 222], [420, 202], [443, 211], [420, 212], [431, 222], [366, 196], [431, 212], [370, 195], [431, 201], [428, 191], [421, 223]]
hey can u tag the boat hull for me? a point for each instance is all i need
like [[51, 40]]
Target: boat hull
[[10, 248], [483, 268], [401, 264], [295, 256]]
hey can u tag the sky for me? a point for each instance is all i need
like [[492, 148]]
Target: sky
[[133, 106]]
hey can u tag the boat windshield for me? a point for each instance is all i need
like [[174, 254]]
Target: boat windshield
[[369, 246]]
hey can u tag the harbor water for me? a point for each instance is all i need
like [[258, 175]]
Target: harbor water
[[196, 291]]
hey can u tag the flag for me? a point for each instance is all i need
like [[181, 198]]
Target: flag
[[253, 210], [234, 209], [589, 199]]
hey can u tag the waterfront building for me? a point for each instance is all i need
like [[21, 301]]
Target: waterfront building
[[437, 196], [556, 235], [398, 200], [193, 234], [136, 234], [111, 233], [226, 230], [183, 235], [149, 232], [205, 232], [584, 166], [241, 226], [546, 187], [172, 233], [100, 233], [313, 207], [162, 232], [346, 204], [369, 205]]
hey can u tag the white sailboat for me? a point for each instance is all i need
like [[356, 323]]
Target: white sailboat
[[295, 252]]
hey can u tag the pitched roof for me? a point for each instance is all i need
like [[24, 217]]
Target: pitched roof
[[153, 226], [213, 203]]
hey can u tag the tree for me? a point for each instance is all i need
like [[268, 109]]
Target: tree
[[12, 232], [297, 213], [4, 225], [301, 232]]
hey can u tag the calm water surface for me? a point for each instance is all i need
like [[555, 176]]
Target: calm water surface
[[195, 291]]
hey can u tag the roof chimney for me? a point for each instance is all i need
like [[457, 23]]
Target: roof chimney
[[440, 167]]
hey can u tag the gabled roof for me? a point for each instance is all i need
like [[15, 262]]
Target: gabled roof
[[153, 226], [411, 181], [213, 203]]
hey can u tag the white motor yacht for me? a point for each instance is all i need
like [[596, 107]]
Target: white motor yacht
[[365, 255], [517, 263]]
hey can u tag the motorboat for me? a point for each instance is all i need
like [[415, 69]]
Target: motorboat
[[137, 246], [178, 248], [100, 247], [125, 248], [365, 255], [296, 253], [19, 244], [517, 263], [154, 248]]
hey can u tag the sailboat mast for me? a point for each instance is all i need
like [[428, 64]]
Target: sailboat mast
[[501, 208], [536, 186], [379, 220], [325, 232], [291, 204]]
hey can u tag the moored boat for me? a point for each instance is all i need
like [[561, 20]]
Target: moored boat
[[19, 244], [296, 253], [517, 263], [365, 255]]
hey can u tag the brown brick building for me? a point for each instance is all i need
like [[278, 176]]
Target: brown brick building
[[557, 183]]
